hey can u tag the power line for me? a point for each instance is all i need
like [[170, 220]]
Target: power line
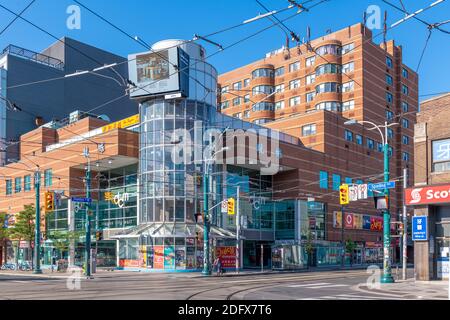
[[17, 17], [423, 51]]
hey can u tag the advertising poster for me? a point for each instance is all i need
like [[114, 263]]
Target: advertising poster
[[125, 263], [169, 257], [199, 259], [376, 224], [158, 257], [227, 256], [366, 222], [337, 219], [153, 66], [190, 257], [358, 221], [180, 257], [348, 219]]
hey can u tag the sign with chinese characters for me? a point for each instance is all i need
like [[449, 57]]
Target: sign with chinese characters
[[121, 124], [427, 195], [419, 228], [357, 221], [441, 150], [227, 256]]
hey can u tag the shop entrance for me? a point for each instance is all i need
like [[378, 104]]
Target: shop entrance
[[254, 251]]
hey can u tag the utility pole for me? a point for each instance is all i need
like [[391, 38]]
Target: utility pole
[[206, 265], [238, 232], [342, 237], [405, 230], [88, 218], [387, 275], [37, 236]]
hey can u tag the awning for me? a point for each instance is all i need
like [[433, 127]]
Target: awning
[[182, 230]]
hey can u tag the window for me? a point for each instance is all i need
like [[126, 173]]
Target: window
[[336, 181], [48, 178], [294, 84], [405, 123], [405, 106], [246, 98], [310, 61], [310, 96], [441, 155], [405, 156], [370, 143], [390, 133], [323, 180], [246, 82], [389, 62], [348, 135], [405, 139], [225, 89], [224, 105], [236, 101], [262, 89], [262, 121], [379, 147], [329, 49], [405, 73], [27, 183], [294, 101], [263, 106], [348, 67], [405, 90], [247, 114], [359, 139], [311, 78], [263, 72], [348, 180], [389, 97], [279, 71], [348, 86], [279, 105], [279, 88], [18, 185], [8, 187], [328, 87], [294, 66], [238, 115], [359, 181], [329, 105], [348, 105], [389, 115], [328, 68], [309, 130], [389, 80], [348, 47]]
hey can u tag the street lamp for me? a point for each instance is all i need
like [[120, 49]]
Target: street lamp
[[387, 275]]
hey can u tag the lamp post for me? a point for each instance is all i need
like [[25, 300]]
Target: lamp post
[[37, 236], [387, 274], [87, 258]]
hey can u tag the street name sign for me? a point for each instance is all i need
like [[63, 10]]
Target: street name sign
[[82, 200], [381, 186]]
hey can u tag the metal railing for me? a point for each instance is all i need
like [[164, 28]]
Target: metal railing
[[33, 56]]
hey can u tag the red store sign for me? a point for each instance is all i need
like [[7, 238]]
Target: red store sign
[[427, 195]]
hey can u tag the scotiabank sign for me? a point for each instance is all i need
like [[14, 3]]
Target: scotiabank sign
[[427, 195]]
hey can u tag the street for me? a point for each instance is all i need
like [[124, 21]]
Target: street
[[322, 285]]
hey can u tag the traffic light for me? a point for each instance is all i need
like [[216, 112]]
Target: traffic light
[[343, 194], [49, 201], [99, 235], [231, 206]]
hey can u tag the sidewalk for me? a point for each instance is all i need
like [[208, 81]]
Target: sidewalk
[[411, 289]]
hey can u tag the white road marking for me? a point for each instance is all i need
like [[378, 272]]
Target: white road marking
[[307, 285], [328, 286]]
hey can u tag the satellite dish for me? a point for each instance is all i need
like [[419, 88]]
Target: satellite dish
[[104, 117]]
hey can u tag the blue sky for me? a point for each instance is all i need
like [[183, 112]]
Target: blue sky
[[156, 20]]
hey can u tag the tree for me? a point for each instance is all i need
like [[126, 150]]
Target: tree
[[24, 227], [309, 248], [3, 235], [61, 239], [350, 247]]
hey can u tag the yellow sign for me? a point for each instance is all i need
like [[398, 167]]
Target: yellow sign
[[121, 124], [343, 194], [231, 206]]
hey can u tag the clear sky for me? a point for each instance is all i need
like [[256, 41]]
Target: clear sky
[[156, 20]]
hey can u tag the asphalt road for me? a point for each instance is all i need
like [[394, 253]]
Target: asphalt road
[[333, 285]]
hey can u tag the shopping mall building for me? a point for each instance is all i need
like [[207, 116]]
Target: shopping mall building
[[150, 170]]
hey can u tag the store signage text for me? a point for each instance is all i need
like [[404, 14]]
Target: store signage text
[[119, 199], [427, 195]]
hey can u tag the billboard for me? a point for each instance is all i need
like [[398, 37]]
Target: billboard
[[159, 72], [357, 221], [427, 195]]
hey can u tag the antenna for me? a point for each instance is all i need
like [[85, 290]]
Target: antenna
[[385, 30], [364, 22]]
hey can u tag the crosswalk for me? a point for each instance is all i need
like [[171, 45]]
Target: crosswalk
[[320, 285]]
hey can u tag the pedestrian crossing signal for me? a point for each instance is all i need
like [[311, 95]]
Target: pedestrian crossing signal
[[343, 195], [49, 201]]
